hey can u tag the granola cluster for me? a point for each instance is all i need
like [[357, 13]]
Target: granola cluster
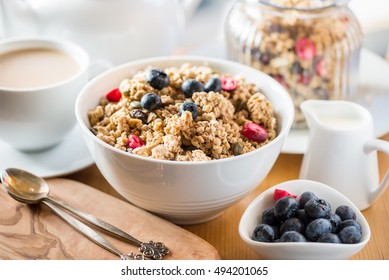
[[158, 113]]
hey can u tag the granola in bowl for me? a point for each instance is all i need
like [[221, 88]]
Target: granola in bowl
[[185, 113]]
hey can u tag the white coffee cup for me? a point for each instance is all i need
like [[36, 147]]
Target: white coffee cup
[[37, 114]]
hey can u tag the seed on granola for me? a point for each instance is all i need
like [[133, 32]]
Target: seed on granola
[[229, 84], [151, 101], [191, 107], [240, 106], [136, 105], [191, 86], [157, 78], [237, 149], [114, 95], [139, 114], [213, 84]]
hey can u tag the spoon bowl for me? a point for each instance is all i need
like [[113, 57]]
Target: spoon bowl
[[24, 186]]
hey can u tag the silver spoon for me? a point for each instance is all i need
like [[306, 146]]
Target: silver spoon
[[84, 229], [29, 188]]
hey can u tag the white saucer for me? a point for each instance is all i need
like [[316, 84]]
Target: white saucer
[[373, 94], [69, 156]]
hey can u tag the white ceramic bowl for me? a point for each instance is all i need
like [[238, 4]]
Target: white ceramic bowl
[[184, 192], [303, 250]]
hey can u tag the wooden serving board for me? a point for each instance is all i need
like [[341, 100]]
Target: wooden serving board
[[35, 232]]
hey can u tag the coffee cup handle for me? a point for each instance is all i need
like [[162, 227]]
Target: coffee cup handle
[[98, 66], [382, 146]]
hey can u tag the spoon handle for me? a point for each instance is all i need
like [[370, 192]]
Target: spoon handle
[[85, 230], [154, 250]]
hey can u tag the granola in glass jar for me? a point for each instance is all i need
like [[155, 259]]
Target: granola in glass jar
[[311, 47]]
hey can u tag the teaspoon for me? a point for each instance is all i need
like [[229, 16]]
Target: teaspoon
[[31, 189]]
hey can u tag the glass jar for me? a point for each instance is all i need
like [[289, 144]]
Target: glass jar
[[311, 47]]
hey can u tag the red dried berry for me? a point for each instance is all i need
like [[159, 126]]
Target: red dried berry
[[304, 79], [281, 80], [305, 48], [281, 193], [254, 132], [114, 95], [134, 141], [229, 84], [320, 68]]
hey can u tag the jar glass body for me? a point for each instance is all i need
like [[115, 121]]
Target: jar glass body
[[313, 52]]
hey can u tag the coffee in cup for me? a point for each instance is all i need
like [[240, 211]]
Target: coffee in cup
[[40, 79], [36, 67]]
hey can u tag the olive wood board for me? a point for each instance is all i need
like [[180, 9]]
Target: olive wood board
[[36, 232]]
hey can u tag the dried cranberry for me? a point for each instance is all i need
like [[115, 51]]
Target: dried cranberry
[[114, 95], [305, 48], [134, 141], [304, 78], [320, 68], [229, 84], [254, 132]]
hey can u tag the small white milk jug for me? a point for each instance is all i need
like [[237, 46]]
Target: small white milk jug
[[342, 150]]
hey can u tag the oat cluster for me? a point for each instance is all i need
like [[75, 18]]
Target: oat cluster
[[214, 134]]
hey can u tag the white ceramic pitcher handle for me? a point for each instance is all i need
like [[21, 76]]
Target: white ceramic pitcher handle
[[382, 146]]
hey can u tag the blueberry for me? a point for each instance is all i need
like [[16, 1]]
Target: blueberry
[[285, 208], [151, 101], [304, 197], [292, 236], [268, 217], [263, 233], [317, 208], [276, 230], [292, 224], [191, 86], [345, 213], [350, 235], [317, 228], [302, 216], [191, 107], [329, 238], [335, 220], [157, 78], [349, 222], [213, 84]]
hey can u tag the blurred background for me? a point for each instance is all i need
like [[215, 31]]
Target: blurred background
[[203, 33]]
